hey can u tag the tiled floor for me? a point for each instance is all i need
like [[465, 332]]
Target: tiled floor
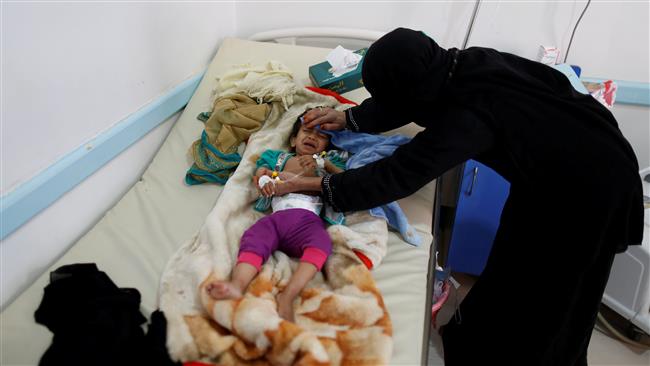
[[603, 350]]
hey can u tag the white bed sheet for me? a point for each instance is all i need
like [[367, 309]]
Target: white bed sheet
[[134, 240]]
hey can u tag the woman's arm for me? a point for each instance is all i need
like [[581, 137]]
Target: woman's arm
[[454, 138], [457, 136], [295, 183], [371, 117]]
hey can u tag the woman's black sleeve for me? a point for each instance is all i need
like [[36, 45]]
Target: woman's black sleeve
[[428, 155], [370, 117]]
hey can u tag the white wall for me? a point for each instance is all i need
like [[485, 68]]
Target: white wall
[[612, 41], [445, 21], [71, 71]]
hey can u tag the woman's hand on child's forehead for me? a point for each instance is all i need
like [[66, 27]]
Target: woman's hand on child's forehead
[[312, 114], [326, 118]]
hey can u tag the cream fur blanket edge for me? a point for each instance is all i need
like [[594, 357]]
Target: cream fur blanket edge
[[340, 319]]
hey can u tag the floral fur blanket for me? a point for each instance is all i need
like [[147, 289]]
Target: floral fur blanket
[[340, 317]]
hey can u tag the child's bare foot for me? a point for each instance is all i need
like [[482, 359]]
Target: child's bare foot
[[285, 306], [222, 290]]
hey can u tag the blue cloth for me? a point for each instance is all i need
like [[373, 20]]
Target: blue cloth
[[365, 149]]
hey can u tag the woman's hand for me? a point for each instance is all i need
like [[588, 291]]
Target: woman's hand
[[326, 118]]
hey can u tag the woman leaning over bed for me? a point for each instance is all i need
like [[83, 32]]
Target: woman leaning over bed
[[575, 196]]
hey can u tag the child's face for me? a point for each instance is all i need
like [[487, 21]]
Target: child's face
[[309, 141]]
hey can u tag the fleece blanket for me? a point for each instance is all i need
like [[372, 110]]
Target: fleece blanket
[[340, 317], [367, 148]]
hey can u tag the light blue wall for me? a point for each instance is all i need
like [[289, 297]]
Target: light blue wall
[[27, 200]]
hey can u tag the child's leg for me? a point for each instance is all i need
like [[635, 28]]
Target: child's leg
[[310, 240], [257, 244], [305, 272], [242, 276]]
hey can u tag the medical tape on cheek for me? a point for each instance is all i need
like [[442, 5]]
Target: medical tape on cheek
[[317, 128]]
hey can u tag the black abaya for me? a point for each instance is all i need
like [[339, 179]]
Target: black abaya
[[575, 195]]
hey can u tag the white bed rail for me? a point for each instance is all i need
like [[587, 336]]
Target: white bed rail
[[290, 35]]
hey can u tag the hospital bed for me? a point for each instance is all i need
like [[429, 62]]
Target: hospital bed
[[134, 240]]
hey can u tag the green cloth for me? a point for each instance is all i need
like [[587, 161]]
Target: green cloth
[[233, 119], [211, 165], [204, 116], [338, 158], [269, 159]]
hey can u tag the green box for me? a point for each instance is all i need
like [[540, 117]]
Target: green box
[[321, 76]]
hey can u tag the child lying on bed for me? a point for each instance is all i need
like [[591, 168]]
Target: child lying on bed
[[294, 227]]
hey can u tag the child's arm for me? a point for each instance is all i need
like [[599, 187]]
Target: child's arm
[[332, 168]]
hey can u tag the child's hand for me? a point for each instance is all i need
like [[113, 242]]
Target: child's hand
[[307, 163], [266, 186], [262, 171], [331, 167]]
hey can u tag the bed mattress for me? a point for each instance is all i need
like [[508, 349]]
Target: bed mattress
[[134, 240]]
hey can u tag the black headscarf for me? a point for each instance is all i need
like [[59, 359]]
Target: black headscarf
[[408, 67], [549, 137]]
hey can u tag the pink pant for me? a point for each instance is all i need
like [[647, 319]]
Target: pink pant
[[297, 232]]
